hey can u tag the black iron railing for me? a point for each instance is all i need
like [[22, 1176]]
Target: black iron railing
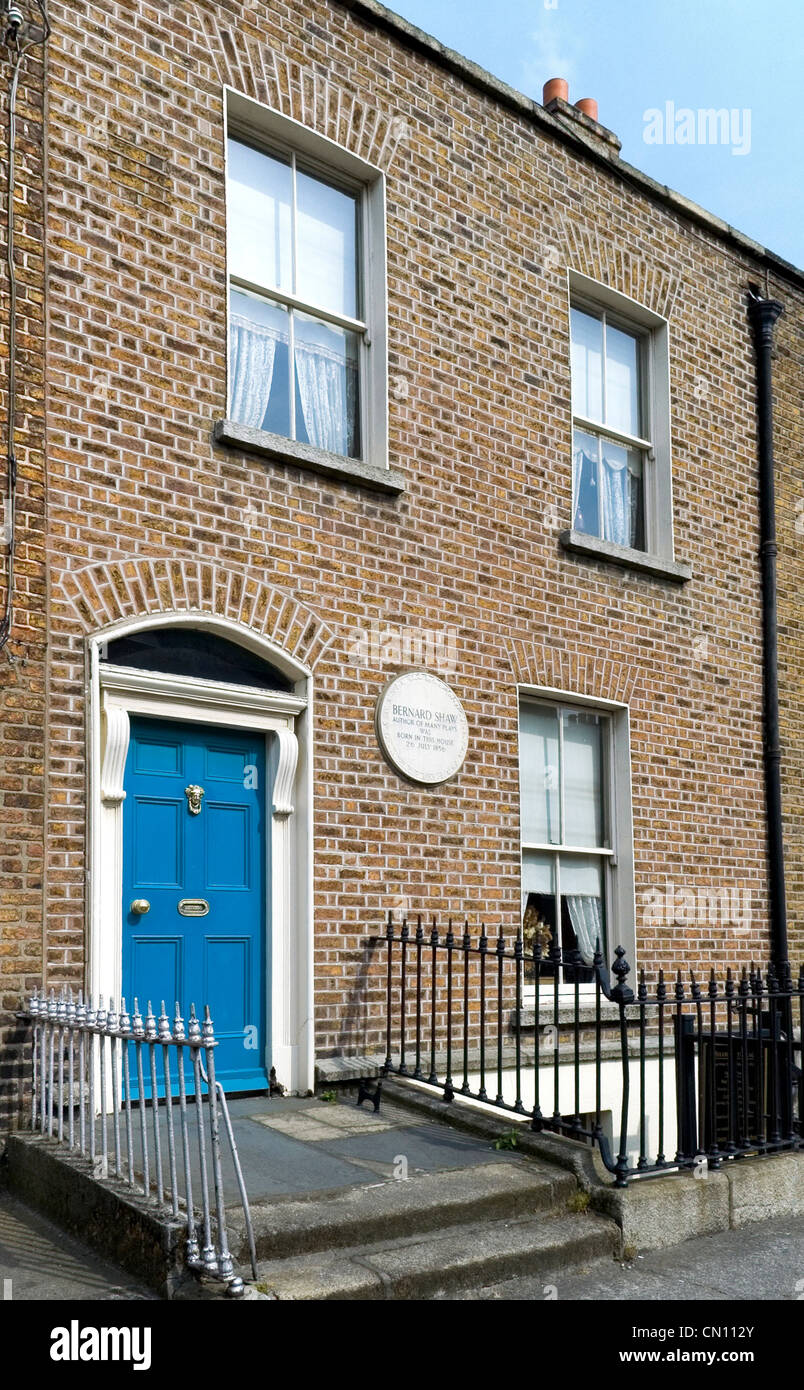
[[684, 1074]]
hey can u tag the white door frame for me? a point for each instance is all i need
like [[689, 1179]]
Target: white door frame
[[115, 693]]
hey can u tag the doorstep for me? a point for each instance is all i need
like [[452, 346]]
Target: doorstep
[[323, 1175], [344, 1069]]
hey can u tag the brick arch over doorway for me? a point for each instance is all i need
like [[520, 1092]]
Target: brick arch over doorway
[[100, 595], [86, 602]]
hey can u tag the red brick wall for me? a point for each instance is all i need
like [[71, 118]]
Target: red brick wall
[[485, 213]]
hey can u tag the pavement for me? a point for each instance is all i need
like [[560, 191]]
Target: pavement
[[757, 1263], [40, 1261]]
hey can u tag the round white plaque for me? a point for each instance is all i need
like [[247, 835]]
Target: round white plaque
[[422, 728]]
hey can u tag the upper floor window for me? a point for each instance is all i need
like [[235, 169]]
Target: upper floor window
[[621, 456], [308, 334], [295, 314], [610, 428]]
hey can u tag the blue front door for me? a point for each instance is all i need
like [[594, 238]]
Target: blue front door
[[194, 851]]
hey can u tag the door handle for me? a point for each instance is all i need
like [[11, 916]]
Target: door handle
[[140, 906]]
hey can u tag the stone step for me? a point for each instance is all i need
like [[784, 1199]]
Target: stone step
[[445, 1262], [394, 1209]]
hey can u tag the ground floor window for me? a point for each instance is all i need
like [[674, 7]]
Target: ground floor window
[[567, 828]]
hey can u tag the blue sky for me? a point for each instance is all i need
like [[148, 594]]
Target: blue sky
[[635, 56]]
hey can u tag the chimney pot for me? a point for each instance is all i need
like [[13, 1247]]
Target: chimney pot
[[588, 106], [556, 87]]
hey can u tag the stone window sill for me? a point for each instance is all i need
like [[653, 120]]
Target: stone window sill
[[288, 451], [609, 1013], [677, 571]]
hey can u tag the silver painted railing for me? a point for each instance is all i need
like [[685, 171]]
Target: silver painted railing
[[82, 1060]]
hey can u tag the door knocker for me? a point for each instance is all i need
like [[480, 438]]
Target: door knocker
[[194, 795]]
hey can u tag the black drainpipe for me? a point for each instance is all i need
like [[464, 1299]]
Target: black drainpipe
[[763, 314]]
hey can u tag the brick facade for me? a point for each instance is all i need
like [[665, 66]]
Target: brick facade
[[487, 209]]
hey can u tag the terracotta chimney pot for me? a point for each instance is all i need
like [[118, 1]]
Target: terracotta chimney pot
[[556, 87], [588, 106]]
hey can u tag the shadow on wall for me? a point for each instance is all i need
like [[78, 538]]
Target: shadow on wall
[[354, 1031], [15, 1073]]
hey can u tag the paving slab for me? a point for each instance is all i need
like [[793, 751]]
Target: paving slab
[[758, 1263], [299, 1145]]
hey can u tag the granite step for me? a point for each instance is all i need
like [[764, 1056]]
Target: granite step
[[395, 1209], [445, 1262]]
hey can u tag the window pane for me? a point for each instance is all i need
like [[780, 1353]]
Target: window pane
[[327, 246], [258, 364], [583, 780], [581, 876], [538, 772], [327, 386], [622, 501], [587, 365], [259, 217], [538, 908], [583, 905], [585, 485], [538, 873], [622, 381]]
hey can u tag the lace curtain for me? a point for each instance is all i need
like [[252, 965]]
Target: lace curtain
[[327, 384], [618, 506], [327, 391], [252, 350], [586, 916]]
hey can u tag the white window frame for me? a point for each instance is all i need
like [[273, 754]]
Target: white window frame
[[275, 133], [655, 441], [619, 897]]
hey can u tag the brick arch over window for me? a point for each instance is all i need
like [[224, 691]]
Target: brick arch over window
[[240, 58], [104, 594], [551, 668], [595, 254]]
